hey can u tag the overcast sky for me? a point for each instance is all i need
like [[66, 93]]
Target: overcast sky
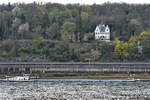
[[77, 1]]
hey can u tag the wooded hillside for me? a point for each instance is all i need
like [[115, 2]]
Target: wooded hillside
[[56, 32]]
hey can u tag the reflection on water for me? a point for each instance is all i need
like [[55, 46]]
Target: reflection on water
[[75, 90]]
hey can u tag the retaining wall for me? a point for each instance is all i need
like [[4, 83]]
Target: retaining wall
[[74, 67]]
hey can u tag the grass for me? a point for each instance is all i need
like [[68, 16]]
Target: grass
[[64, 74], [93, 76], [90, 76]]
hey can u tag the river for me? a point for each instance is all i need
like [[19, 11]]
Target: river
[[74, 89]]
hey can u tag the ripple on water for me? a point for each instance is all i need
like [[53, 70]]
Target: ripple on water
[[85, 90]]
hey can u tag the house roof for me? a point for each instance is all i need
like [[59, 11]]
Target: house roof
[[102, 28]]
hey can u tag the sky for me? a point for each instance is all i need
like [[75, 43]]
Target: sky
[[77, 1]]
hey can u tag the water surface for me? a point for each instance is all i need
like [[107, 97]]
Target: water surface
[[76, 89]]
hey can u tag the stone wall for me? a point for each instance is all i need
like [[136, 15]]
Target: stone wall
[[74, 67]]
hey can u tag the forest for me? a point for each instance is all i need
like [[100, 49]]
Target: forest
[[57, 32]]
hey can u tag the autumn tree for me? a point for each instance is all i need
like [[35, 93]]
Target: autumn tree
[[121, 50]]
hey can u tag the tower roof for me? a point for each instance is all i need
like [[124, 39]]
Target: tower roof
[[102, 22], [102, 27]]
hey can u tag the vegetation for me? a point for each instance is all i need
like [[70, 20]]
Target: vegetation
[[142, 76], [55, 32], [64, 74]]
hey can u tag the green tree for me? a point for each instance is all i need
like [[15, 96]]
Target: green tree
[[52, 32], [21, 15], [68, 27], [5, 24], [132, 47], [39, 42], [118, 51], [84, 17], [13, 52], [68, 13], [135, 26], [53, 14], [75, 12], [87, 9], [144, 39], [4, 54], [68, 31]]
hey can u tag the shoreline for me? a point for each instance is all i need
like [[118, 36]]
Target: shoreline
[[101, 76], [145, 76]]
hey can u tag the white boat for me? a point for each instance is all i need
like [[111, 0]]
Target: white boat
[[25, 77]]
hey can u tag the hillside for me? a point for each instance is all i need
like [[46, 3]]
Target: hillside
[[55, 32]]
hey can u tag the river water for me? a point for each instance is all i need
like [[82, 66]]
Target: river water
[[72, 89]]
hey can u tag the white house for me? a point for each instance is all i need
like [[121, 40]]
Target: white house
[[102, 32]]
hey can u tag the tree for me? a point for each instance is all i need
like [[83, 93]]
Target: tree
[[53, 15], [87, 9], [4, 54], [79, 25], [74, 12], [132, 47], [68, 27], [61, 52], [67, 13], [118, 51], [144, 36], [121, 50], [135, 26], [84, 17], [45, 21], [15, 11], [5, 24], [23, 28], [68, 31], [39, 42], [15, 25], [52, 32], [124, 48], [21, 15], [144, 39]]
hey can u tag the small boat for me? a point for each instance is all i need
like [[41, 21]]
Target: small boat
[[25, 77]]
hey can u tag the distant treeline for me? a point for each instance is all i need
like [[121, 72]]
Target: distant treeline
[[70, 29]]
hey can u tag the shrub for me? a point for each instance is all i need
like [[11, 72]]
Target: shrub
[[25, 50], [4, 54], [64, 74], [39, 42]]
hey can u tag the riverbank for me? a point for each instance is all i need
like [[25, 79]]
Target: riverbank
[[144, 76]]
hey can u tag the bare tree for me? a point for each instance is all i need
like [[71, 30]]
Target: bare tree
[[15, 11], [15, 25], [23, 28]]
